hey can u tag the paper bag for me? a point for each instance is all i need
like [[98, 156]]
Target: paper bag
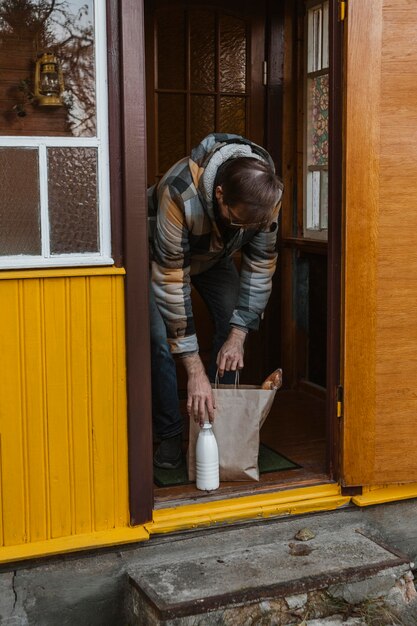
[[239, 415]]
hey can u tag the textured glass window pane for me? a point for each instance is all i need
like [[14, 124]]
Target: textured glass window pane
[[202, 50], [67, 29], [202, 118], [318, 120], [325, 61], [232, 115], [19, 206], [313, 201], [171, 49], [171, 122], [314, 39], [72, 195], [232, 54], [324, 201]]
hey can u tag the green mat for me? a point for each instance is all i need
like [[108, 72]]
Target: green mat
[[269, 461]]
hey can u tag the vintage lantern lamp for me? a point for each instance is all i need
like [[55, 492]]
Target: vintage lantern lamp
[[49, 82]]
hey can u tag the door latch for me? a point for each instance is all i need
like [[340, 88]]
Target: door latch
[[339, 401], [264, 73], [342, 10]]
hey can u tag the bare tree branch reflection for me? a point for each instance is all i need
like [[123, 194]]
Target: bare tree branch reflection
[[64, 27]]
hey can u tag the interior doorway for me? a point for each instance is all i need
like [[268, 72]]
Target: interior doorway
[[221, 66]]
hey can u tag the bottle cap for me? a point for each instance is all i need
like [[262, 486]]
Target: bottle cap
[[206, 426]]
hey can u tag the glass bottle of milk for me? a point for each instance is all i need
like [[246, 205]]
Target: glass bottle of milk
[[207, 460]]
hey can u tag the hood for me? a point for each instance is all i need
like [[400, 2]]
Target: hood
[[213, 151]]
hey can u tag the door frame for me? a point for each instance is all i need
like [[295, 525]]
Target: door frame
[[334, 268], [136, 259], [134, 185]]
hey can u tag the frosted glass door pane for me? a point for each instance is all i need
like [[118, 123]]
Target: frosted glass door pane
[[171, 49], [202, 117], [232, 54], [171, 118], [232, 115], [19, 207], [73, 202], [202, 50]]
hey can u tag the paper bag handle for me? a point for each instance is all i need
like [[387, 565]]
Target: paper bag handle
[[216, 380]]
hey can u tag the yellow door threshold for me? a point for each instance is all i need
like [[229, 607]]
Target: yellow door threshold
[[391, 493], [291, 502]]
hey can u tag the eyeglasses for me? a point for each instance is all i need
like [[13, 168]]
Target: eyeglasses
[[244, 225]]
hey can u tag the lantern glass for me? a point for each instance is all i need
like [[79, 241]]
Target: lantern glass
[[49, 83]]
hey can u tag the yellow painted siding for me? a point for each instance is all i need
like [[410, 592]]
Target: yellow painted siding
[[200, 515], [63, 432]]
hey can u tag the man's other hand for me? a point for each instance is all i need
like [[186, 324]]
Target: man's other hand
[[230, 356], [200, 401]]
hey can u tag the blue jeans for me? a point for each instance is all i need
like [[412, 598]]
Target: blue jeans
[[219, 288]]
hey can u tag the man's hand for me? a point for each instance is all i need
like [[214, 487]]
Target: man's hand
[[230, 357], [200, 401]]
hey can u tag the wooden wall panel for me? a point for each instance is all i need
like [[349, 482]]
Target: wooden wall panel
[[381, 244], [32, 316], [58, 442], [364, 29], [13, 436], [79, 359], [396, 427], [63, 424], [102, 404]]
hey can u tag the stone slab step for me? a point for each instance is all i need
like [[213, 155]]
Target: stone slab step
[[240, 575]]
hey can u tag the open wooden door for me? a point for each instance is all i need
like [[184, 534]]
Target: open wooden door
[[191, 91], [204, 74], [380, 344]]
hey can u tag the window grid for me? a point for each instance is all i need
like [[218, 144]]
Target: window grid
[[316, 121], [43, 192], [220, 95], [100, 142]]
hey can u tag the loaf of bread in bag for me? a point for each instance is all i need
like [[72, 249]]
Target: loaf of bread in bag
[[274, 380]]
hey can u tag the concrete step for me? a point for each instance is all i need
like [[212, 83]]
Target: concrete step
[[263, 574]]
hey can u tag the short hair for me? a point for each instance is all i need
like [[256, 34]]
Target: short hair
[[252, 182]]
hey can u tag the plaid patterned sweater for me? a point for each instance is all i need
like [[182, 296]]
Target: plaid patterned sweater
[[186, 240]]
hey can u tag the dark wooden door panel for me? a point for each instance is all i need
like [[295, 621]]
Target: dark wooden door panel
[[204, 74]]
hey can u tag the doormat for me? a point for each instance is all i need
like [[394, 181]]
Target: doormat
[[269, 461]]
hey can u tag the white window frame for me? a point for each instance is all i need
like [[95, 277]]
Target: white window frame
[[101, 143], [315, 177]]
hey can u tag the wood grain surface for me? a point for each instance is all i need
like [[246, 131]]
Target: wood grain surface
[[380, 361]]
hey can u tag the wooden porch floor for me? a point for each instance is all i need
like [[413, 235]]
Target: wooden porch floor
[[295, 427]]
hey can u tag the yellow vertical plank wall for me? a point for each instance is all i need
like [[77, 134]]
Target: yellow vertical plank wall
[[63, 431]]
